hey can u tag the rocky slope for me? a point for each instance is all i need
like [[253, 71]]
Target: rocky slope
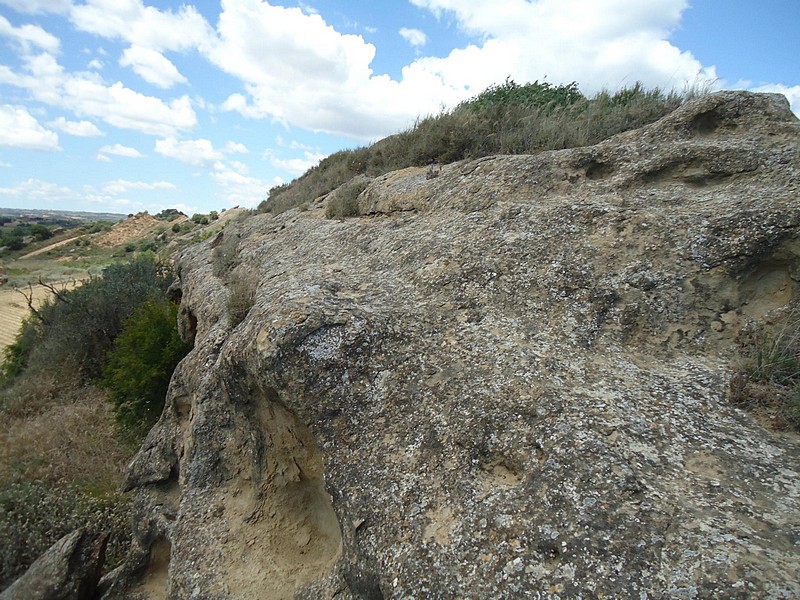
[[506, 380]]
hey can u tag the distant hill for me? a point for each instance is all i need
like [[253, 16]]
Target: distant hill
[[38, 213]]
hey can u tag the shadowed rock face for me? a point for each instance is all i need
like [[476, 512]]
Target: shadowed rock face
[[69, 570], [506, 380]]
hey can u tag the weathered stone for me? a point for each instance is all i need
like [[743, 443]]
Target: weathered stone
[[69, 570], [504, 381]]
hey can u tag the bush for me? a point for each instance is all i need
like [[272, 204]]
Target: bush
[[767, 377], [141, 363], [40, 232], [13, 242], [76, 330], [344, 202]]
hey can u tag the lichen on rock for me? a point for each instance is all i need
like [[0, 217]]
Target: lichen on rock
[[504, 381]]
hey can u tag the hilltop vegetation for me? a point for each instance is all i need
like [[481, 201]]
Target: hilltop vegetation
[[505, 119]]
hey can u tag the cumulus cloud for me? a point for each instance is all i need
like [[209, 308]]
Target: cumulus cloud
[[143, 26], [39, 193], [192, 152], [599, 43], [415, 37], [77, 128], [237, 187], [120, 150], [121, 186], [87, 94], [236, 148], [29, 36], [20, 129], [298, 166], [151, 66], [297, 69]]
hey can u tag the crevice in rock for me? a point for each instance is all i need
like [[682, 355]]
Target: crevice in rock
[[187, 324], [599, 170], [694, 173], [705, 123], [155, 579]]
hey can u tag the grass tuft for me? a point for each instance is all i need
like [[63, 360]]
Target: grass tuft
[[766, 380]]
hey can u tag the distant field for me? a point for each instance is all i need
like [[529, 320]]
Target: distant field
[[13, 309]]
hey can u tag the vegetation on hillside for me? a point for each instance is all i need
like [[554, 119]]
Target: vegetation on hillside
[[98, 354], [504, 119]]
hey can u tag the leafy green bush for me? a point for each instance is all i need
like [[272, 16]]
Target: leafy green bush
[[767, 376], [504, 119], [76, 329], [141, 363], [12, 242]]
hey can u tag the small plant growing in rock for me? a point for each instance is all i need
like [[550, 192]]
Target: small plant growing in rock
[[767, 376], [241, 299], [344, 202]]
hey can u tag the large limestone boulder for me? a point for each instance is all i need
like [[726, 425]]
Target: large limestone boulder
[[508, 380]]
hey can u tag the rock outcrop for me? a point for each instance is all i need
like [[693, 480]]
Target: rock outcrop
[[69, 570], [507, 380]]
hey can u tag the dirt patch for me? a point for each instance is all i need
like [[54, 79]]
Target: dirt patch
[[128, 230]]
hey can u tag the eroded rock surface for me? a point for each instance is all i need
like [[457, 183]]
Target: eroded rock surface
[[505, 381], [69, 570]]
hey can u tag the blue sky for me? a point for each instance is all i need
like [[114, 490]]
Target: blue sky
[[130, 105]]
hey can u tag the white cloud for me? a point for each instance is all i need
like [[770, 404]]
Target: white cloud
[[792, 93], [121, 186], [236, 148], [39, 193], [296, 69], [141, 25], [20, 129], [120, 150], [29, 35], [95, 64], [38, 6], [77, 128], [238, 189], [152, 66], [415, 37], [599, 43], [193, 152], [87, 94], [298, 166]]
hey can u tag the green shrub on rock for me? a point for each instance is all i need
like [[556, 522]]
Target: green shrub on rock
[[141, 363]]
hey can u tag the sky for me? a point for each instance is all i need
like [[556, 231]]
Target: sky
[[130, 105]]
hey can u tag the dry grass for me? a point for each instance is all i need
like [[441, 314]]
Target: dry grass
[[75, 443], [766, 380], [61, 462], [506, 119]]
